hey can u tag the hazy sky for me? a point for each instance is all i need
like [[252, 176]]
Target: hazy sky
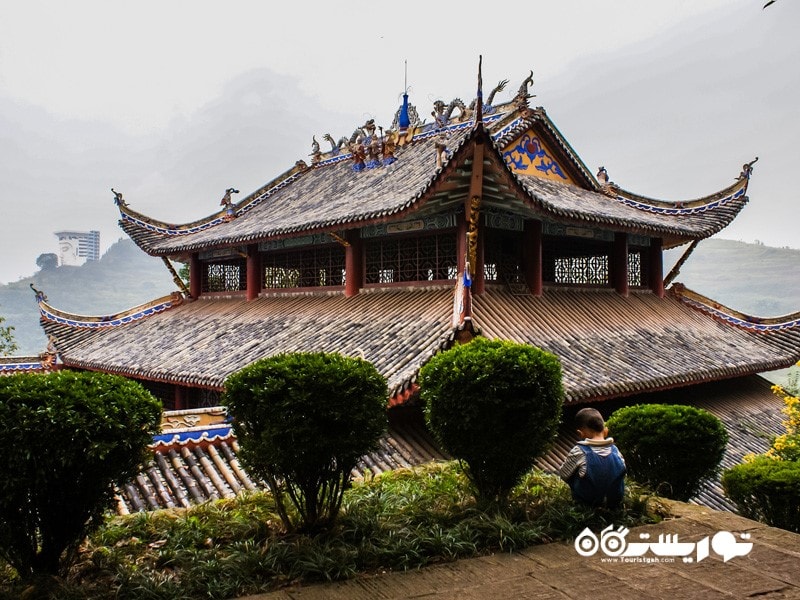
[[172, 102]]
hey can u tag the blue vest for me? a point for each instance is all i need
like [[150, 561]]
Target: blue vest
[[604, 480]]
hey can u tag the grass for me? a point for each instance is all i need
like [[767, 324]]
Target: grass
[[400, 520]]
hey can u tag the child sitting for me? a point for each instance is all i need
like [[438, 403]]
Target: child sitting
[[594, 468]]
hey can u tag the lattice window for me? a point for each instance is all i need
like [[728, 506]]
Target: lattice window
[[162, 391], [637, 268], [589, 270], [310, 267], [201, 398], [502, 256], [574, 261], [428, 258], [227, 276]]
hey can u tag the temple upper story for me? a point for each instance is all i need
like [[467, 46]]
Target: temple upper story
[[401, 204]]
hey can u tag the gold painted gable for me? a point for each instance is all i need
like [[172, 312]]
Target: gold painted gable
[[530, 155]]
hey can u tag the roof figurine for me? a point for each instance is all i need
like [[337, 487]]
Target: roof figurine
[[118, 200], [316, 154], [227, 202], [336, 147], [522, 97], [488, 107], [747, 169]]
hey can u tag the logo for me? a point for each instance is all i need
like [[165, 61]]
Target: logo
[[617, 549]]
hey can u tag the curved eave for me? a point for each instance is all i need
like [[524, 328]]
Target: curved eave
[[168, 245], [733, 317], [676, 225], [147, 232], [54, 315], [21, 364]]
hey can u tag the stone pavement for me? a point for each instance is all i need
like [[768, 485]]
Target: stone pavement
[[770, 570]]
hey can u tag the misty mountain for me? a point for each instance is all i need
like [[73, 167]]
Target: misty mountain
[[123, 277], [751, 278]]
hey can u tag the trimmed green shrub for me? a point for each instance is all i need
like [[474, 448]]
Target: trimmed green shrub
[[303, 420], [766, 490], [671, 448], [496, 406], [68, 438]]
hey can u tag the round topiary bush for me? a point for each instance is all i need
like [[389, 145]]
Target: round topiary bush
[[303, 420], [68, 438], [496, 406], [766, 490], [671, 448]]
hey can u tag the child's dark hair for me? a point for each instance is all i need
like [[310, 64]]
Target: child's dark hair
[[590, 418]]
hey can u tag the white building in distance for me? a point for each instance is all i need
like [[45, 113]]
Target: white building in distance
[[77, 247]]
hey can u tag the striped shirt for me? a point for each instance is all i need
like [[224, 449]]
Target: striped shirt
[[576, 460]]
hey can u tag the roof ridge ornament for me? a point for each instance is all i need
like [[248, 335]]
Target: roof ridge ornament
[[747, 169], [441, 113], [403, 118], [230, 211], [316, 154], [119, 201], [522, 97], [479, 97], [40, 295]]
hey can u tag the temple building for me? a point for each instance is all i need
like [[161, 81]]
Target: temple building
[[393, 244]]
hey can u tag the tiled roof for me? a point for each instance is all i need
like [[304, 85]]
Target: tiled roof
[[609, 345], [332, 196], [200, 464], [188, 469], [20, 364], [709, 216], [200, 343]]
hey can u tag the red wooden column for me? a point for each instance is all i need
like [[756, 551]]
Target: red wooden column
[[655, 275], [195, 285], [619, 263], [181, 399], [532, 256], [353, 263], [253, 272]]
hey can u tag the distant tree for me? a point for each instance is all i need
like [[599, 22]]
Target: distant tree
[[7, 343], [68, 439], [183, 273], [47, 262]]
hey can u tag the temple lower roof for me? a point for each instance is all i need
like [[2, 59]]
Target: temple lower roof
[[609, 345], [198, 462]]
